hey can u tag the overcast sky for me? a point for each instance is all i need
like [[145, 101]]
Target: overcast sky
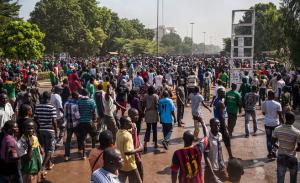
[[210, 16]]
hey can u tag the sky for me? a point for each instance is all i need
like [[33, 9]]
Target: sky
[[210, 16]]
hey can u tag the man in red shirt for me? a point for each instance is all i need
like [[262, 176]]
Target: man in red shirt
[[188, 160]]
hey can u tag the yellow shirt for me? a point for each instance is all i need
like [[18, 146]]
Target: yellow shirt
[[104, 85], [124, 143]]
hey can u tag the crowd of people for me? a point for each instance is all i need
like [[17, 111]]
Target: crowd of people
[[106, 100]]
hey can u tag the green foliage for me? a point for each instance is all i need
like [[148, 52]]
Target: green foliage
[[140, 46], [268, 29], [291, 22], [21, 40], [70, 26], [227, 45], [8, 11], [172, 43]]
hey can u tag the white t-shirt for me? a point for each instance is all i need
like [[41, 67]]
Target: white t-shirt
[[158, 80], [192, 81], [6, 114], [151, 78], [196, 101], [271, 109], [109, 106], [280, 85], [57, 103]]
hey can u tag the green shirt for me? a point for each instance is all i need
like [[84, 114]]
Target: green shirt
[[90, 89], [52, 77], [11, 89], [224, 78], [245, 88], [232, 101]]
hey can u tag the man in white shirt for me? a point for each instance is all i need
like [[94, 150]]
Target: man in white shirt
[[273, 117], [6, 111], [279, 86], [158, 80], [56, 101]]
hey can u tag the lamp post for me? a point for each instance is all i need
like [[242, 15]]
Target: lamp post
[[192, 24], [204, 44]]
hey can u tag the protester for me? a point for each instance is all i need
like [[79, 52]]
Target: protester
[[86, 107], [30, 152], [288, 137], [251, 99], [45, 117], [124, 143], [112, 162], [9, 161], [273, 117], [166, 111], [196, 101], [219, 113], [96, 154], [71, 116], [233, 105]]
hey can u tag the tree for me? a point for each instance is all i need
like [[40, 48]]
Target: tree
[[70, 26], [291, 22], [140, 46], [227, 45], [149, 34], [8, 11], [21, 40], [268, 29], [172, 43]]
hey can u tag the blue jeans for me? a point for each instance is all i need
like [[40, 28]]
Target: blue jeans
[[70, 133], [284, 162], [247, 119], [269, 131], [167, 131]]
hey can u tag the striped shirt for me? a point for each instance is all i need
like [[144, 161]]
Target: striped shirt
[[86, 108], [103, 176], [288, 136], [71, 113], [187, 162], [45, 113]]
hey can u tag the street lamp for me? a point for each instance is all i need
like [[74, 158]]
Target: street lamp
[[192, 24], [204, 44]]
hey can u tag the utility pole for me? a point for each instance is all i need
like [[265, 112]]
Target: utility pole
[[204, 44], [192, 24], [157, 16]]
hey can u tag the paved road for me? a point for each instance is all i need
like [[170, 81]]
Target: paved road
[[156, 163]]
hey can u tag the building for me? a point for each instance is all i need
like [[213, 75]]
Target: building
[[162, 30]]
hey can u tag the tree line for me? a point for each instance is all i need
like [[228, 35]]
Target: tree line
[[276, 29]]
